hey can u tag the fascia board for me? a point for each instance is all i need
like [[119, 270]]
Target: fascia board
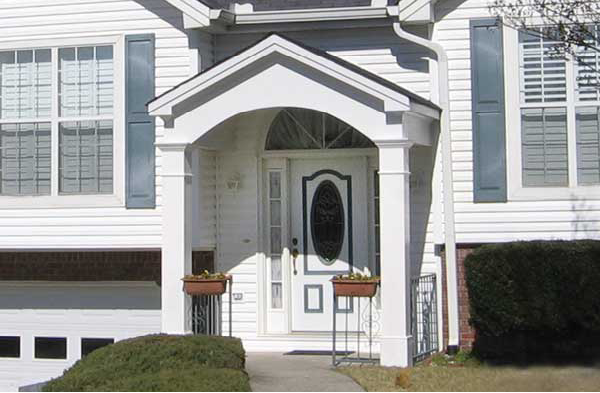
[[311, 15]]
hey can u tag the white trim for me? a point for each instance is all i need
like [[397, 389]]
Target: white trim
[[184, 174], [196, 14], [311, 15], [163, 105], [384, 173], [61, 41], [516, 191], [275, 320], [325, 153], [56, 199], [60, 201]]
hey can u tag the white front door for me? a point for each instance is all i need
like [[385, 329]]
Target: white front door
[[329, 231]]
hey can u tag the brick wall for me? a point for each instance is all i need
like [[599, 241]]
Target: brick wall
[[91, 266], [466, 332]]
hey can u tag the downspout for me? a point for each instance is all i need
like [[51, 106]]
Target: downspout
[[450, 237]]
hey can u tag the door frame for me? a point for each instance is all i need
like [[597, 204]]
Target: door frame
[[279, 321]]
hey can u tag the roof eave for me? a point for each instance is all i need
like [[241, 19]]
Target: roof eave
[[198, 15]]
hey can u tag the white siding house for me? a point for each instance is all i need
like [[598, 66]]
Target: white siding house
[[143, 140]]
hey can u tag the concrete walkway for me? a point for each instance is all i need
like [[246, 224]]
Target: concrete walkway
[[274, 372]]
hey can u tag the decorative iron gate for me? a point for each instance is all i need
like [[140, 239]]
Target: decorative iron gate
[[207, 314], [424, 316]]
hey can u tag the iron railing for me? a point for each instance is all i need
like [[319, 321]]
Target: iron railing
[[206, 315], [424, 316]]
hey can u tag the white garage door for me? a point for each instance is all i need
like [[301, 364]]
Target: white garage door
[[43, 325]]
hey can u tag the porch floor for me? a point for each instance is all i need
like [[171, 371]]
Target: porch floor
[[275, 372]]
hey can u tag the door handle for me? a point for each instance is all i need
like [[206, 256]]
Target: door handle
[[294, 257]]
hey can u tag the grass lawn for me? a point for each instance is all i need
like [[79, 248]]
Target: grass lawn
[[439, 374]]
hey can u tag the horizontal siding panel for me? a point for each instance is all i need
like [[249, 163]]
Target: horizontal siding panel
[[106, 227]]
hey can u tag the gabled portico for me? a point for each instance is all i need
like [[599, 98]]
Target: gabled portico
[[280, 73]]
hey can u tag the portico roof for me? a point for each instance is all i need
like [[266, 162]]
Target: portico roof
[[392, 97]]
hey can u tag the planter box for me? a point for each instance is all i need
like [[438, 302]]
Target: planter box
[[355, 288], [205, 287]]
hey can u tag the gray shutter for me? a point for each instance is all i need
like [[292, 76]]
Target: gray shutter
[[139, 82], [487, 88]]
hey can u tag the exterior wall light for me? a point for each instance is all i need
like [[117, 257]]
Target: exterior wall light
[[234, 182]]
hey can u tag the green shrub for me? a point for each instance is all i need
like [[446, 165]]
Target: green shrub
[[159, 363], [532, 298]]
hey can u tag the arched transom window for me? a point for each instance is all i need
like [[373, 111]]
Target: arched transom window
[[298, 129]]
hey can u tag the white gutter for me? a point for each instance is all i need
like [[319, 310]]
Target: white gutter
[[450, 237]]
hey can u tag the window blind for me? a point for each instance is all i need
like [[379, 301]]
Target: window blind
[[86, 157], [86, 81], [542, 73], [25, 159], [587, 69], [588, 145], [25, 84], [544, 147]]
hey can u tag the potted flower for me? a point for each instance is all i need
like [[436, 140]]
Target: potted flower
[[205, 283], [355, 284]]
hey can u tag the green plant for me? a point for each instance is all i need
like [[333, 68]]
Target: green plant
[[532, 298], [356, 277], [205, 275], [160, 363]]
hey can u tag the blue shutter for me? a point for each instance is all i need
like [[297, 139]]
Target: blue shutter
[[489, 133], [140, 133]]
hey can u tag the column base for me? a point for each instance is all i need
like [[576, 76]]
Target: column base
[[396, 351]]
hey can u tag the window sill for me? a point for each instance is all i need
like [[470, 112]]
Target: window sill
[[60, 201], [553, 193]]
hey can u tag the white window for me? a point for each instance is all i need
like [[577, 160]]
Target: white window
[[25, 136], [57, 120], [557, 148]]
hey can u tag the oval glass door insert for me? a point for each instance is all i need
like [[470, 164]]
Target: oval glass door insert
[[327, 222]]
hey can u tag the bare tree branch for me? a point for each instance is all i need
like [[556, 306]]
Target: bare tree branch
[[571, 26]]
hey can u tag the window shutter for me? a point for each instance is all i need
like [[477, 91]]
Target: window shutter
[[140, 134], [487, 88]]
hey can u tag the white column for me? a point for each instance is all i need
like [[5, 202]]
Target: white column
[[177, 236], [394, 202]]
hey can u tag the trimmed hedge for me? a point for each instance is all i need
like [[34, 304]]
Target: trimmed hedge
[[535, 298], [159, 363]]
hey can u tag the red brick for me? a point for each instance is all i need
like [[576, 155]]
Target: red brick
[[91, 266], [466, 331]]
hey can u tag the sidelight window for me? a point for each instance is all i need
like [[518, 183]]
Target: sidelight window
[[275, 238]]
